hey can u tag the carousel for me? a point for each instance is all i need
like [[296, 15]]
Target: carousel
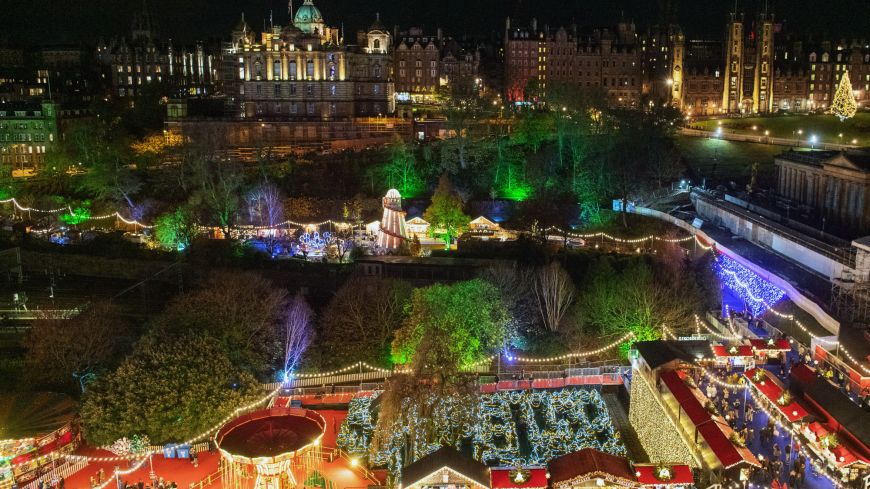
[[275, 448]]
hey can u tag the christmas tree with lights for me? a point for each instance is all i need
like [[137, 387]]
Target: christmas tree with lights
[[844, 105]]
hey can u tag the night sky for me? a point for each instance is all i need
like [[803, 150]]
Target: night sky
[[27, 22]]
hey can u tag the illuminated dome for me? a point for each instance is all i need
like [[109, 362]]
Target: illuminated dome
[[308, 18]]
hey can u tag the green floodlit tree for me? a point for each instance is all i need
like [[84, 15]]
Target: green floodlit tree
[[634, 300], [176, 229], [168, 390], [445, 214], [447, 329], [844, 105], [76, 215], [401, 170]]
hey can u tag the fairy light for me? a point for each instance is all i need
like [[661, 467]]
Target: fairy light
[[699, 324], [650, 237], [566, 356], [201, 436], [759, 404], [747, 284], [29, 209], [822, 466]]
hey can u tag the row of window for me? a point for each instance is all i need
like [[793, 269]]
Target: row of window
[[26, 137], [332, 89], [22, 149]]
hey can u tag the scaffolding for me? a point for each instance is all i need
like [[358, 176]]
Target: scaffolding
[[850, 293]]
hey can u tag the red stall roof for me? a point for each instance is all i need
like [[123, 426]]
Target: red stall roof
[[739, 351], [501, 479], [772, 390], [687, 400], [803, 374], [770, 344], [728, 454], [676, 385], [680, 475]]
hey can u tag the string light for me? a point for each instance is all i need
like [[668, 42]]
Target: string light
[[651, 237], [566, 356], [759, 404], [192, 440], [699, 324], [791, 317]]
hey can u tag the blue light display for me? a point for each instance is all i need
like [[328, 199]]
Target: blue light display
[[756, 292]]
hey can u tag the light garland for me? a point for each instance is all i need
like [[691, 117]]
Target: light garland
[[759, 404], [192, 440], [651, 237], [756, 291], [699, 324], [566, 356]]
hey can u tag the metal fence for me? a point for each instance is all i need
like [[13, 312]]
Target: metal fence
[[328, 385], [60, 472]]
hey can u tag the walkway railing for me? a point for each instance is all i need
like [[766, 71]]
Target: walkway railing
[[61, 472], [207, 481], [802, 301], [762, 139], [328, 384]]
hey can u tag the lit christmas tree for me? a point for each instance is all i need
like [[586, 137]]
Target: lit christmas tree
[[844, 105]]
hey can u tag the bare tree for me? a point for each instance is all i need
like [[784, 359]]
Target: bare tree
[[554, 293], [297, 332], [359, 322], [76, 348], [266, 209]]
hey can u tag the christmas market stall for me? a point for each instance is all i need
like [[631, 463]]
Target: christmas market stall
[[733, 355], [518, 478], [776, 394], [768, 348], [445, 468], [841, 434], [591, 468], [36, 431], [674, 476]]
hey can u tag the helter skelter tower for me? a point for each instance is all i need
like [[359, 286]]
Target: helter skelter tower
[[391, 233]]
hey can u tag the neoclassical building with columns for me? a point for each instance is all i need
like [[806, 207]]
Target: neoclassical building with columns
[[305, 71], [834, 183]]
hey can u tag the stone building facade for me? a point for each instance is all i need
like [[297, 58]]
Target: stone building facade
[[601, 60], [144, 59], [424, 63], [834, 183], [303, 71], [28, 130]]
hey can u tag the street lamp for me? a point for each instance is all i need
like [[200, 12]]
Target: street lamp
[[813, 140]]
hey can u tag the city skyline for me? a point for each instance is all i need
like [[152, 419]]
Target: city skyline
[[202, 20]]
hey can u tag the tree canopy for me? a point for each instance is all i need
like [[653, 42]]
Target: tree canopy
[[168, 390], [445, 213]]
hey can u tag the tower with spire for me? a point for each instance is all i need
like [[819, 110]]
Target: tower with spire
[[732, 86]]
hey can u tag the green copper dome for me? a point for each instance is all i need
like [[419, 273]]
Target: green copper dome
[[308, 17]]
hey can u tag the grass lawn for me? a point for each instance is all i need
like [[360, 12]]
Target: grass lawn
[[719, 161], [826, 127]]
